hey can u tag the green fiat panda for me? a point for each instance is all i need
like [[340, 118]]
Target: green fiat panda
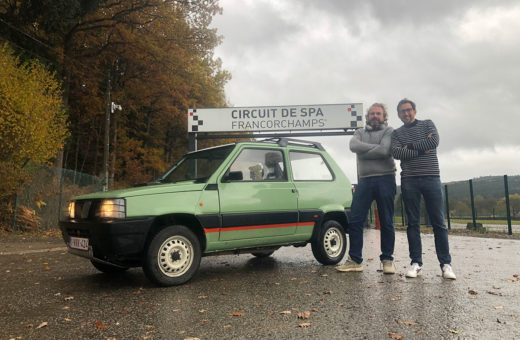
[[247, 197]]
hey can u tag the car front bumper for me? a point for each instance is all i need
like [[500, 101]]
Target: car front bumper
[[120, 242]]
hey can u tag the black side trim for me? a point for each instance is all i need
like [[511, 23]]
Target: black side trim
[[211, 187], [209, 220], [238, 220], [311, 216]]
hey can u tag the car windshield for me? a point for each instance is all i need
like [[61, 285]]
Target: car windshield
[[196, 166]]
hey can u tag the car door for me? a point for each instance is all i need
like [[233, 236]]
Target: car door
[[257, 202]]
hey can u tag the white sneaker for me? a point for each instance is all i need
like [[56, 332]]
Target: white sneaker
[[447, 272], [414, 271]]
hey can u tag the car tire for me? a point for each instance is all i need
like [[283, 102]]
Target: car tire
[[172, 256], [108, 269], [262, 254], [330, 244]]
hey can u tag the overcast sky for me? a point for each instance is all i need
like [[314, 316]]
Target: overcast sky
[[458, 60]]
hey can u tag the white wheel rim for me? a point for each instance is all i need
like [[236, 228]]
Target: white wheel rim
[[175, 256], [333, 242]]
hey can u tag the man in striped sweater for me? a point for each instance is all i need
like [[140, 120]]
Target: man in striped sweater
[[415, 144]]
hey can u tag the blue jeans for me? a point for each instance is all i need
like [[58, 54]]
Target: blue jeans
[[430, 188], [382, 190]]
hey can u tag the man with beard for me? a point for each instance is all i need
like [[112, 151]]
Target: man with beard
[[376, 181]]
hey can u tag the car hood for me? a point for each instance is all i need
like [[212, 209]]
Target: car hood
[[145, 190]]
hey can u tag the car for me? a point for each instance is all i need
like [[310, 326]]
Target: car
[[247, 197]]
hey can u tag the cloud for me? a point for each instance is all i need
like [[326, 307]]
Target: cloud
[[456, 59]]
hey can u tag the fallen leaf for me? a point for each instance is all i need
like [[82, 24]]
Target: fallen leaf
[[314, 309], [304, 315], [67, 319], [327, 292], [472, 292], [202, 296], [393, 335], [99, 325], [500, 321], [286, 312], [408, 323], [237, 314], [191, 338], [499, 307], [454, 331], [304, 281], [397, 298], [69, 298], [304, 325], [202, 311], [494, 293], [420, 331], [324, 275], [227, 326], [43, 324]]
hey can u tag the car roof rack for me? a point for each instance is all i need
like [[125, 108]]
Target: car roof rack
[[283, 141]]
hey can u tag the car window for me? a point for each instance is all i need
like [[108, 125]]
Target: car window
[[197, 166], [307, 166], [260, 165]]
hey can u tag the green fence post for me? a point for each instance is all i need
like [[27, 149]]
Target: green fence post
[[402, 209], [509, 228], [61, 195], [447, 206], [15, 212], [472, 204]]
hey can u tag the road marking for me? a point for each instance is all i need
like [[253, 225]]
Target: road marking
[[25, 252]]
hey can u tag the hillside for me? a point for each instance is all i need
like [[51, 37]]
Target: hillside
[[487, 187]]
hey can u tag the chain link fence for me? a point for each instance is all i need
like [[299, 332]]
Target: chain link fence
[[40, 204]]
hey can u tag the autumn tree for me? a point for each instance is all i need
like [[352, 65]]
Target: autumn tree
[[32, 118], [154, 57]]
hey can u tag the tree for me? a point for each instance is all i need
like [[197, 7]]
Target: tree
[[32, 118], [514, 205]]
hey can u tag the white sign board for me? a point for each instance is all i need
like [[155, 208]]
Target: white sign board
[[276, 118]]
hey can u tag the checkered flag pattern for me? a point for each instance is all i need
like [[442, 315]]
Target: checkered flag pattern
[[357, 117], [195, 121]]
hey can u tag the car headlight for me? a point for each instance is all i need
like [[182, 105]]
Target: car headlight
[[112, 208], [71, 209]]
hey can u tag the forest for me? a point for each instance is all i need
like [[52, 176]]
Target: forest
[[67, 63]]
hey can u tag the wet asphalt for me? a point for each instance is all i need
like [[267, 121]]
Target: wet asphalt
[[47, 293]]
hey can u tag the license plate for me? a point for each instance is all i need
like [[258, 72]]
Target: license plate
[[78, 243]]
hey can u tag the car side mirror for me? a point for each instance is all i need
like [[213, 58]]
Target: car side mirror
[[233, 176]]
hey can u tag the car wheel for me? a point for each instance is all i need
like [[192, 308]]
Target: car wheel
[[330, 244], [263, 254], [173, 256], [108, 269]]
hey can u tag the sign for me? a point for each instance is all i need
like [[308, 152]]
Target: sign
[[276, 118]]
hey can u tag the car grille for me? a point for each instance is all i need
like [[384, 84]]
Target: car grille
[[84, 209]]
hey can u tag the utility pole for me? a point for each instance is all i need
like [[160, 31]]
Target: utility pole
[[108, 110]]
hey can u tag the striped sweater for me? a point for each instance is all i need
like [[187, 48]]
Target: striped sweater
[[415, 145]]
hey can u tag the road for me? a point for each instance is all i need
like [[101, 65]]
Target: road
[[47, 293]]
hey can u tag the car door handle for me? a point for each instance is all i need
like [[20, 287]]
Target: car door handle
[[294, 190]]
